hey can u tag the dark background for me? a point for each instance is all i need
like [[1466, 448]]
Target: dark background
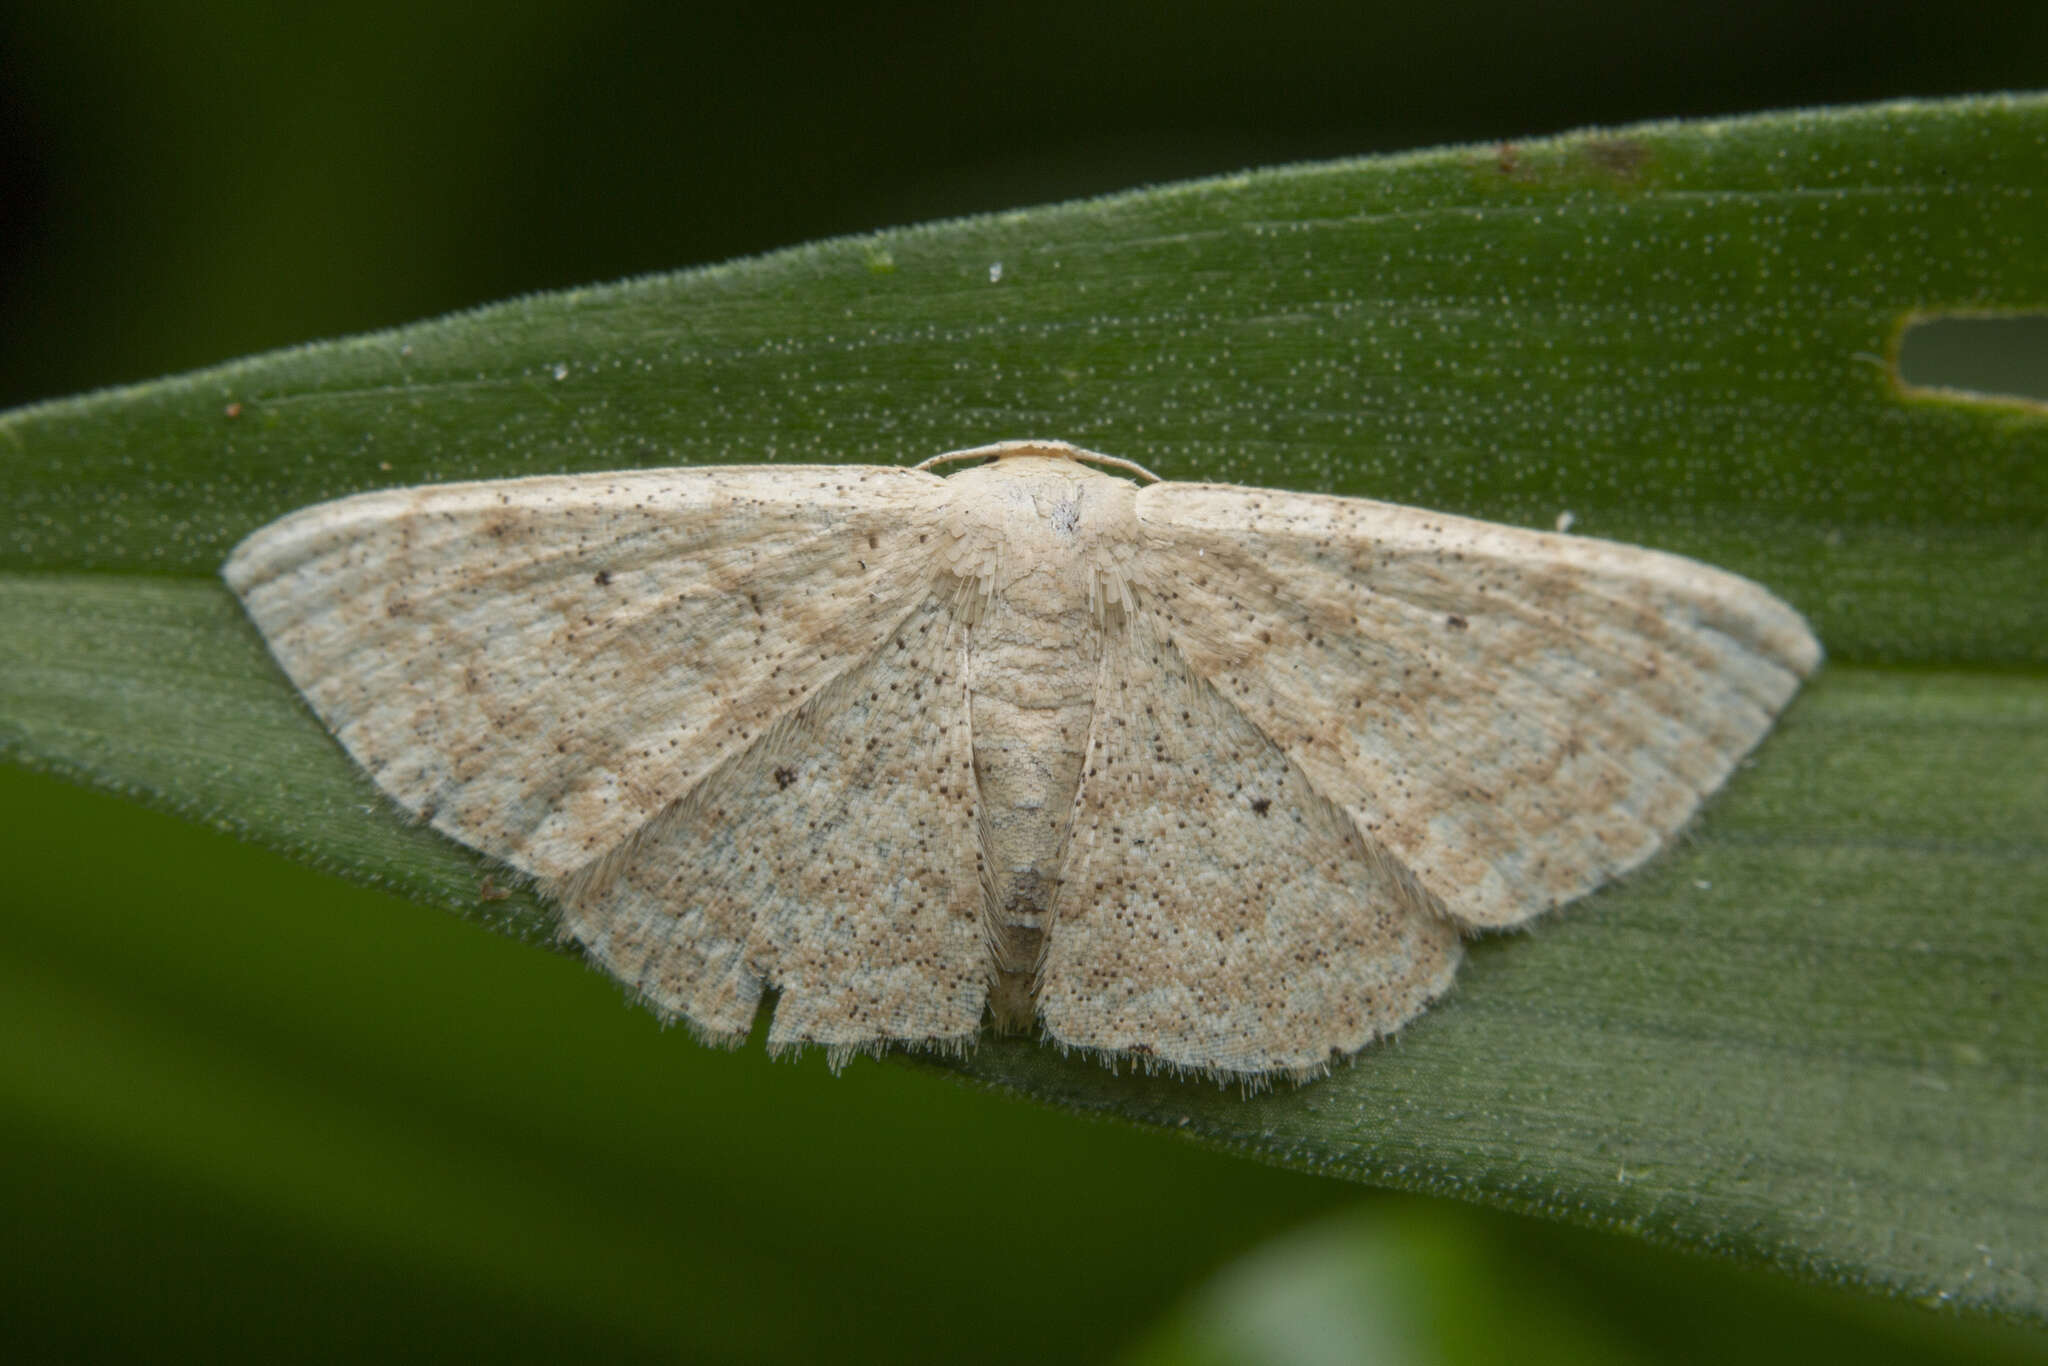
[[186, 183]]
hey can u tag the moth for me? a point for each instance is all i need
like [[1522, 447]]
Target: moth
[[1207, 777]]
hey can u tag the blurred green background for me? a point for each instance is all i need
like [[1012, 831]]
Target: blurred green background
[[247, 1110]]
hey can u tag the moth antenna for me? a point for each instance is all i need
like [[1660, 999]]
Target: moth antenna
[[1062, 449]]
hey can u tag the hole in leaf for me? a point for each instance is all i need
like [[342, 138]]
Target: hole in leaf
[[2001, 358]]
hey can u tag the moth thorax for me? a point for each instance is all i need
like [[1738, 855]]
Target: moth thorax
[[1046, 535]]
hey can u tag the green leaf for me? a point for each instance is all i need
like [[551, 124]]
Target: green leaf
[[1814, 1036], [1412, 1281]]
